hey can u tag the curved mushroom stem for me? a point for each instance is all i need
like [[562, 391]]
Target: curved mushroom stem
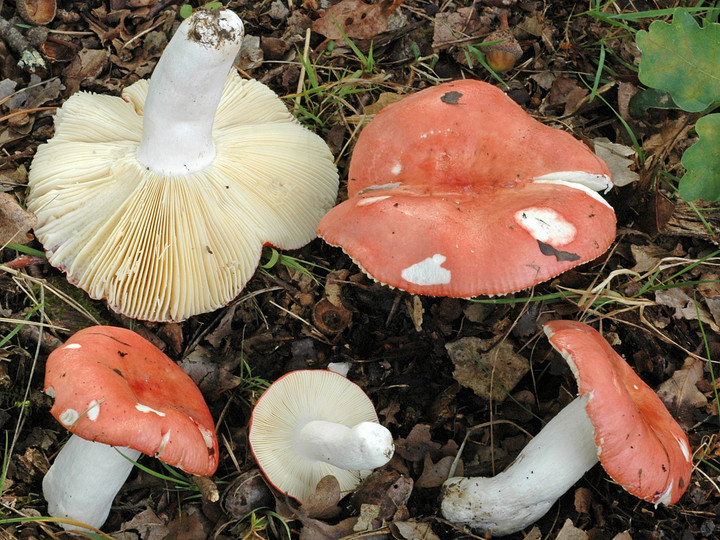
[[84, 479], [365, 446], [185, 91], [546, 468]]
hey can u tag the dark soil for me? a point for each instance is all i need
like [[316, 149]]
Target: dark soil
[[395, 342]]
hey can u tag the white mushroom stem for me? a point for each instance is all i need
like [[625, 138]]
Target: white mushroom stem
[[181, 102], [365, 446], [546, 468], [84, 479]]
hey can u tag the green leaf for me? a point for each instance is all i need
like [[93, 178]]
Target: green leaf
[[682, 58], [702, 162], [650, 98], [185, 11]]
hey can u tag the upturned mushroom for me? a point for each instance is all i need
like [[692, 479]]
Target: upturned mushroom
[[617, 419], [161, 200], [314, 423], [120, 397], [457, 191]]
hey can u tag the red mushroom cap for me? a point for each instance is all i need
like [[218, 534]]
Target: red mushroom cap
[[112, 386], [639, 443], [457, 191]]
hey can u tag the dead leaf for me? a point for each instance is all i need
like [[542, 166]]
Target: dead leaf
[[415, 309], [434, 474], [490, 372], [212, 378], [148, 525], [417, 444], [86, 66], [617, 157], [323, 503], [246, 493], [684, 306], [583, 500], [368, 514], [412, 530], [356, 18], [680, 394], [15, 221], [189, 525], [459, 26], [386, 489], [384, 99], [571, 532], [646, 257]]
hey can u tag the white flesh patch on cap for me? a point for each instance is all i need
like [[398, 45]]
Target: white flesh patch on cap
[[69, 417], [73, 346], [369, 200], [393, 185], [575, 185], [684, 449], [207, 436], [163, 443], [596, 182], [664, 497], [546, 225], [144, 408], [397, 169], [50, 391], [93, 410], [428, 271]]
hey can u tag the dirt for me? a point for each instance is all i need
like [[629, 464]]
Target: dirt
[[646, 294]]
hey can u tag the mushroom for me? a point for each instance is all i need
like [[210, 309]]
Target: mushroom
[[161, 201], [616, 418], [457, 191], [314, 423], [120, 397]]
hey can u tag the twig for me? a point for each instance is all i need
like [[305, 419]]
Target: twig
[[30, 58]]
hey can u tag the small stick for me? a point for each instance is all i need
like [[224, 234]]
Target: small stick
[[30, 58]]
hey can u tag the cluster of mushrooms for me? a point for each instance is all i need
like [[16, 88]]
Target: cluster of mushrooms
[[186, 178]]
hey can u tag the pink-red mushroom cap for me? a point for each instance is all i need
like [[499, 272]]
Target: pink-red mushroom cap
[[112, 386], [457, 191], [640, 444]]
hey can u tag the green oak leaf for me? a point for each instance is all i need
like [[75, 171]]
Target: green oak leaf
[[683, 59], [702, 162]]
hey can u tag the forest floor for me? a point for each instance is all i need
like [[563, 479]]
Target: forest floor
[[655, 295]]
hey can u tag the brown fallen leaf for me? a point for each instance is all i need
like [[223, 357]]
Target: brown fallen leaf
[[148, 525], [679, 393], [434, 474], [323, 503], [490, 372], [357, 19], [15, 221], [417, 444], [459, 26], [685, 307], [413, 530], [571, 532]]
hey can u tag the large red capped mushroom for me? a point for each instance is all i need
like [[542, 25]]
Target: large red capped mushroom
[[119, 395], [457, 191]]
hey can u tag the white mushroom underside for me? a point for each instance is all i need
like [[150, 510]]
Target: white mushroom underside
[[275, 424], [165, 248]]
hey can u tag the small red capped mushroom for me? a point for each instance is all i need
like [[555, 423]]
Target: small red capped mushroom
[[617, 419], [457, 191], [113, 388], [643, 448]]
